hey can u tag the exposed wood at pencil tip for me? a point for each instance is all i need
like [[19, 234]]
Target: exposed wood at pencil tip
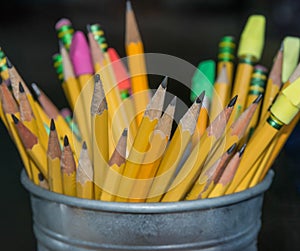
[[25, 108], [132, 33], [28, 139], [164, 124], [275, 73], [9, 104], [67, 163], [85, 169], [295, 75], [50, 109], [67, 64], [230, 170], [96, 52], [53, 143], [99, 103], [240, 125], [189, 120], [154, 108], [119, 155], [217, 127], [222, 77]]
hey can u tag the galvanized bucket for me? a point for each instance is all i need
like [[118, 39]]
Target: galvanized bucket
[[226, 223]]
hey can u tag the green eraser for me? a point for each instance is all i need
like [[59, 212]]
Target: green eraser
[[203, 79], [253, 37], [291, 48]]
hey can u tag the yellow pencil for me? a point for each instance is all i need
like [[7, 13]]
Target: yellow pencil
[[221, 94], [153, 157], [192, 167], [84, 175], [273, 84], [205, 183], [116, 168], [141, 142], [282, 112], [136, 62], [68, 169], [175, 151], [53, 161], [99, 115], [249, 52], [32, 146], [228, 174]]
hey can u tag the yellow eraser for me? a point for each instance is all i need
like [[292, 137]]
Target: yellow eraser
[[287, 104], [291, 48], [253, 37]]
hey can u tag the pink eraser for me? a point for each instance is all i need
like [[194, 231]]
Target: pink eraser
[[120, 70], [61, 22], [80, 55], [65, 112]]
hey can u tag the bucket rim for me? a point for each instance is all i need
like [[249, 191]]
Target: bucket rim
[[157, 207]]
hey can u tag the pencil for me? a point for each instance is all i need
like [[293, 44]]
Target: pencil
[[192, 167], [226, 58], [282, 112], [32, 146], [154, 155], [205, 183], [221, 93], [53, 161], [10, 106], [116, 167], [234, 133], [84, 175], [175, 150], [99, 115], [273, 84], [43, 182], [136, 61], [53, 113], [68, 169], [227, 175], [141, 142], [249, 52]]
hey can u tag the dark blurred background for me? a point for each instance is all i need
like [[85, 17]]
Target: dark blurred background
[[188, 29]]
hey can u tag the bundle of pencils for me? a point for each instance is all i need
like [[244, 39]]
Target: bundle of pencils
[[118, 145]]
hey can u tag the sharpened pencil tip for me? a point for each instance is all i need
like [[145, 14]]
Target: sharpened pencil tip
[[52, 125], [231, 149], [258, 99], [241, 151], [128, 6], [88, 27], [164, 82], [1, 80], [36, 89], [21, 89], [232, 101], [84, 146], [200, 97], [66, 141], [125, 132], [15, 119], [8, 63], [41, 177], [97, 78], [173, 101]]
